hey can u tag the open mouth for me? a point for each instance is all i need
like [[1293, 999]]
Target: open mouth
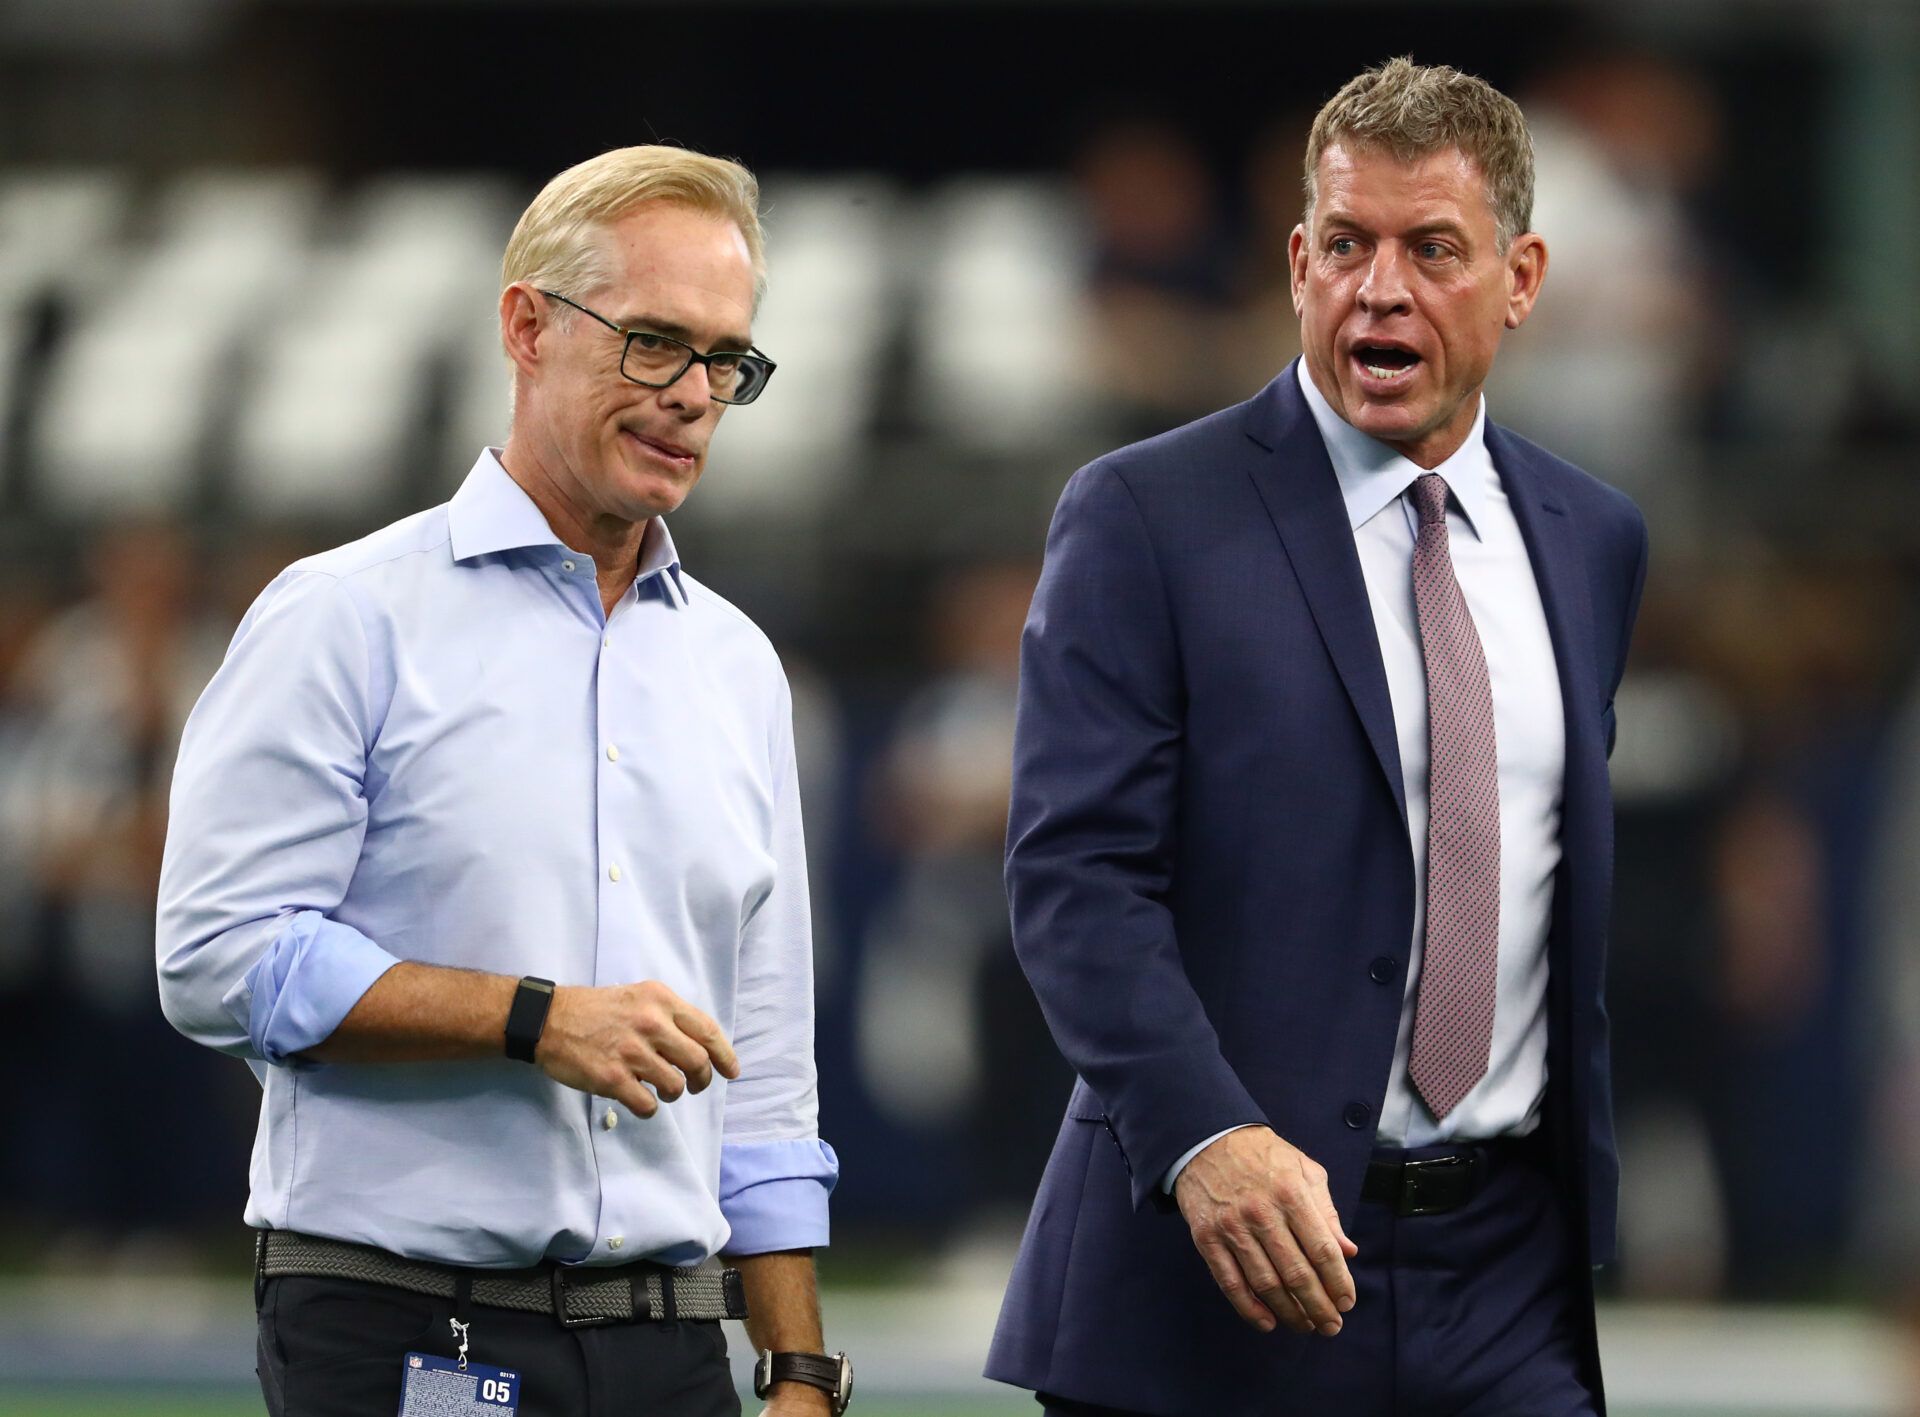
[[1385, 361]]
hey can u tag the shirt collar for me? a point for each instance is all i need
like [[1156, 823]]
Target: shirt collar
[[657, 555], [491, 512], [1372, 474]]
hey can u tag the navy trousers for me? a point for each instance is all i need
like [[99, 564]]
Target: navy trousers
[[1473, 1313], [333, 1348]]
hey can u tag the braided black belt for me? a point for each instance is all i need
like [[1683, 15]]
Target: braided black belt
[[576, 1295]]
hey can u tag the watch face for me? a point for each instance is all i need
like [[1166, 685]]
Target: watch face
[[844, 1393]]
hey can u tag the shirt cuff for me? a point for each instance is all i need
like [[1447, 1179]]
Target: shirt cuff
[[1180, 1162], [774, 1194], [309, 979]]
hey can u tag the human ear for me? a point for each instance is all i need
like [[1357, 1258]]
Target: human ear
[[1297, 266], [1526, 273], [520, 326]]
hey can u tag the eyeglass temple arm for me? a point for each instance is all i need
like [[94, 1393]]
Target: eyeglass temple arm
[[556, 295]]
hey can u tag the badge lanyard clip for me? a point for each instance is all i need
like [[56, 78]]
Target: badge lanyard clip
[[461, 1321]]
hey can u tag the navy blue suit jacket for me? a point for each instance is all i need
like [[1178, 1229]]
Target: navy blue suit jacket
[[1211, 879]]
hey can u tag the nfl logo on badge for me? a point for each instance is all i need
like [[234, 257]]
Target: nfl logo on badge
[[413, 1360]]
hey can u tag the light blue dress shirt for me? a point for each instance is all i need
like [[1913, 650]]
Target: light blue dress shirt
[[434, 745]]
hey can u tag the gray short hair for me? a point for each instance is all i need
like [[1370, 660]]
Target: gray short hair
[[1415, 110]]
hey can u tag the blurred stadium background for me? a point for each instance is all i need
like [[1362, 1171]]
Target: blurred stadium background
[[248, 257]]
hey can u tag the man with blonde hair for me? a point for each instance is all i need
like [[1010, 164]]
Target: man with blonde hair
[[1310, 847], [485, 853]]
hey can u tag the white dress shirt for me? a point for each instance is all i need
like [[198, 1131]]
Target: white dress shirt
[[1491, 564]]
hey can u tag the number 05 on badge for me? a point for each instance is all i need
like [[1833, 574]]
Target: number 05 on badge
[[440, 1387]]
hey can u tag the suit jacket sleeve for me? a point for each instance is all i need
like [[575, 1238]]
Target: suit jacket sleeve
[[1091, 841]]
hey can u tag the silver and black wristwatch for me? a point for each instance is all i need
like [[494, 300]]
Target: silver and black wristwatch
[[830, 1372]]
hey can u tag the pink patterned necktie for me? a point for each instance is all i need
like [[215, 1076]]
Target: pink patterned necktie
[[1453, 1020]]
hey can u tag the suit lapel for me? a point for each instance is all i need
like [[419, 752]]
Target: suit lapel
[[1296, 481], [1559, 557]]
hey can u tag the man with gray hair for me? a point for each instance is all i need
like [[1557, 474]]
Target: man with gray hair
[[1310, 847], [485, 854]]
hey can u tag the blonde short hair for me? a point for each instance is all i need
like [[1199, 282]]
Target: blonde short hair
[[558, 243], [1415, 110]]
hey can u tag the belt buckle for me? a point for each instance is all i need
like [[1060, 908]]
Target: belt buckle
[[1417, 1179], [559, 1283]]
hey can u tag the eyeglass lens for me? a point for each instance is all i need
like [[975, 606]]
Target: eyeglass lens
[[655, 359]]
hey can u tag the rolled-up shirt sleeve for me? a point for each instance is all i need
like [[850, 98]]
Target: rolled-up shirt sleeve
[[774, 1194], [266, 821], [775, 1172]]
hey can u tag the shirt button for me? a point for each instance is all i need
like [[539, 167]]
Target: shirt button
[[606, 642], [566, 565], [614, 1242], [1356, 1115], [613, 873], [610, 1120], [613, 753], [1382, 969]]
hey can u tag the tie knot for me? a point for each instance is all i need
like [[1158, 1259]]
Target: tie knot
[[1430, 498]]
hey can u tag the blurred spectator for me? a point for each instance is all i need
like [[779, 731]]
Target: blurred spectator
[[1164, 273], [1268, 329], [24, 605], [1747, 783], [950, 1036], [109, 683], [819, 754], [1679, 745], [1804, 647], [1620, 352]]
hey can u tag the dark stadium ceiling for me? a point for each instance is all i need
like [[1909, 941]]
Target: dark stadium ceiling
[[91, 30]]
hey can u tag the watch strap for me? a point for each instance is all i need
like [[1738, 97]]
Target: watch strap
[[527, 1017], [821, 1370]]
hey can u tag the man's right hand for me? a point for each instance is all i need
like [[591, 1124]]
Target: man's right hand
[[610, 1040], [1264, 1222]]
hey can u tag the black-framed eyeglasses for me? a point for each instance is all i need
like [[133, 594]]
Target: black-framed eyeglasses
[[733, 376]]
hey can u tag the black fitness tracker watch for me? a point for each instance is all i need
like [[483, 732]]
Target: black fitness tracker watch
[[527, 1017], [831, 1373]]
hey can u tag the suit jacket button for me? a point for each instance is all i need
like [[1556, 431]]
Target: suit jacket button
[[1382, 970], [1357, 1115]]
